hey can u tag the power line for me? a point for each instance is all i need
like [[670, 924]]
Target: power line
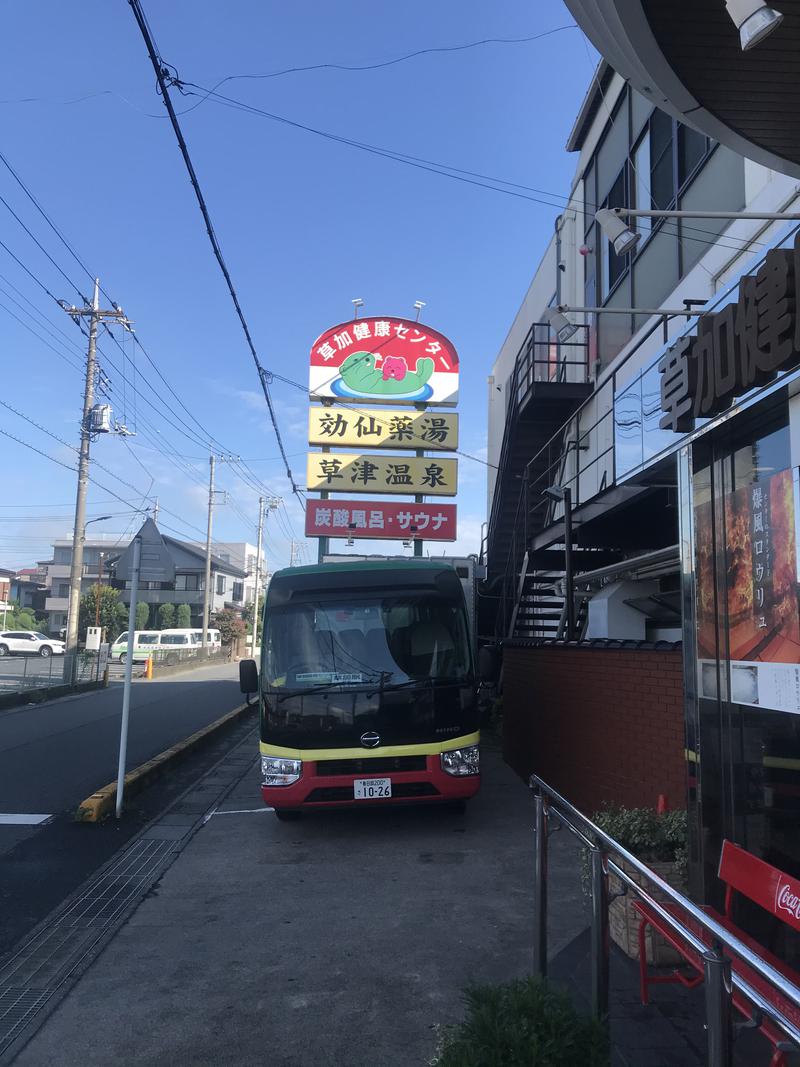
[[385, 63], [162, 74], [460, 174]]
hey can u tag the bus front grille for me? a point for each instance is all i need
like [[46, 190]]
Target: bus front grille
[[376, 765]]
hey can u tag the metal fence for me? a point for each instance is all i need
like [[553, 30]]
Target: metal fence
[[720, 978], [21, 673]]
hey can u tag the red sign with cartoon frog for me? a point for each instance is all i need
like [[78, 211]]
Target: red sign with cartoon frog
[[385, 360]]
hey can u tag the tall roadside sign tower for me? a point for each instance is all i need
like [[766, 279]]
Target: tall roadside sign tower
[[382, 383]]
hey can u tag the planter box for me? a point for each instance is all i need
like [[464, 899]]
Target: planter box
[[624, 919]]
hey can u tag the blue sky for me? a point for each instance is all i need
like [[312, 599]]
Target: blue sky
[[306, 225]]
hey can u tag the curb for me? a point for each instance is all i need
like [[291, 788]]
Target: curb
[[102, 803]]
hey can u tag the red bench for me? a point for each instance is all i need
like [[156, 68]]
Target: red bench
[[768, 887]]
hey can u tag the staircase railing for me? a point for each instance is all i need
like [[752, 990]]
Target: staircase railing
[[534, 510], [541, 358]]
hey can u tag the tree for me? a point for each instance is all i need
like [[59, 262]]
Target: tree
[[142, 614], [231, 627], [166, 616], [112, 614], [183, 617]]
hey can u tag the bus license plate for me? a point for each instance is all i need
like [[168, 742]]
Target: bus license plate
[[372, 788]]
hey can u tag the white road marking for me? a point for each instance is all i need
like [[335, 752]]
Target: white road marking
[[240, 811], [24, 820]]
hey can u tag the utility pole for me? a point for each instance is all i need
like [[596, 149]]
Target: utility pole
[[94, 315], [257, 591], [155, 512], [292, 553], [207, 587], [272, 504], [207, 593]]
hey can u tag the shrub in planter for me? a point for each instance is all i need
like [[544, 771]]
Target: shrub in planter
[[525, 1023], [659, 840]]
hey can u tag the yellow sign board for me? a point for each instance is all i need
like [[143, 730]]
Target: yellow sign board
[[342, 472], [379, 428]]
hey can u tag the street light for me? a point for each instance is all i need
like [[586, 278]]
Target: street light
[[754, 20], [624, 238], [560, 324], [563, 493]]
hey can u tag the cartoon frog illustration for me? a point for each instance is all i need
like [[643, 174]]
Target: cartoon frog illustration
[[361, 375]]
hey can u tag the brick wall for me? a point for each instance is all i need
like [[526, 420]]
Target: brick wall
[[601, 725]]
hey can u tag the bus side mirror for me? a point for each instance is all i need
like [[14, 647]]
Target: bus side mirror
[[488, 663], [248, 676]]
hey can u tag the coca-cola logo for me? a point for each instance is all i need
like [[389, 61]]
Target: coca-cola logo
[[786, 900]]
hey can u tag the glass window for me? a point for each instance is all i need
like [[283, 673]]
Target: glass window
[[628, 427], [662, 179], [238, 591], [221, 584], [147, 639], [692, 148], [187, 582], [641, 184], [349, 642], [613, 266]]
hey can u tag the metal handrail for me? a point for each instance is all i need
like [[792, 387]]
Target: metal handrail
[[550, 801]]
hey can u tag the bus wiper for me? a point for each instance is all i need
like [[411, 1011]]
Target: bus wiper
[[429, 682], [302, 692]]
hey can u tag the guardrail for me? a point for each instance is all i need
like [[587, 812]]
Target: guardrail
[[21, 673], [718, 977]]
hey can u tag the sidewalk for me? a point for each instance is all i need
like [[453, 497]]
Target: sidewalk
[[340, 940], [343, 940]]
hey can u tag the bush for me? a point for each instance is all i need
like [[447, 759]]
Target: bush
[[525, 1023], [112, 614], [142, 614], [650, 836], [166, 616], [183, 617]]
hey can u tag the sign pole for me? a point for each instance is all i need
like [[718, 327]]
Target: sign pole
[[126, 692]]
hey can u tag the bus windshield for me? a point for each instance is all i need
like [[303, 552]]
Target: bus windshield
[[372, 641]]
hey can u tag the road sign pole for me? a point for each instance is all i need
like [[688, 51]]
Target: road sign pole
[[126, 692]]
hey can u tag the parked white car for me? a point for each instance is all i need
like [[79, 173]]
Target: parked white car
[[29, 643]]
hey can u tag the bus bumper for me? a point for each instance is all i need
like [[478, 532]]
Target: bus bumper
[[313, 790]]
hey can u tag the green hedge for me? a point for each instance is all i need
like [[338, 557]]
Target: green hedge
[[525, 1023]]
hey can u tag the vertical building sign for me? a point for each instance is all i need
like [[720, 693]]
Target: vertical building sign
[[354, 367]]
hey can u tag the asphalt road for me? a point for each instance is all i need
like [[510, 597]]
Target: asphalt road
[[54, 755]]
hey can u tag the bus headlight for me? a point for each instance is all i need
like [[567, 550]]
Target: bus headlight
[[277, 771], [461, 761]]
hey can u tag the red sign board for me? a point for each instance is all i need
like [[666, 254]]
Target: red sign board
[[380, 518], [384, 360]]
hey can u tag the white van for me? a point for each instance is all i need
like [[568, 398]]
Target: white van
[[147, 641], [144, 642], [214, 641]]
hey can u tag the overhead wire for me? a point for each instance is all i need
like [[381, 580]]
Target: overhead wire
[[162, 73], [461, 174]]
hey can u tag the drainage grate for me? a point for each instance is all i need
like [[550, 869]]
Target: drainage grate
[[43, 966], [17, 1008]]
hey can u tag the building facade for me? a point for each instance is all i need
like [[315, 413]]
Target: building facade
[[232, 584], [646, 500]]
